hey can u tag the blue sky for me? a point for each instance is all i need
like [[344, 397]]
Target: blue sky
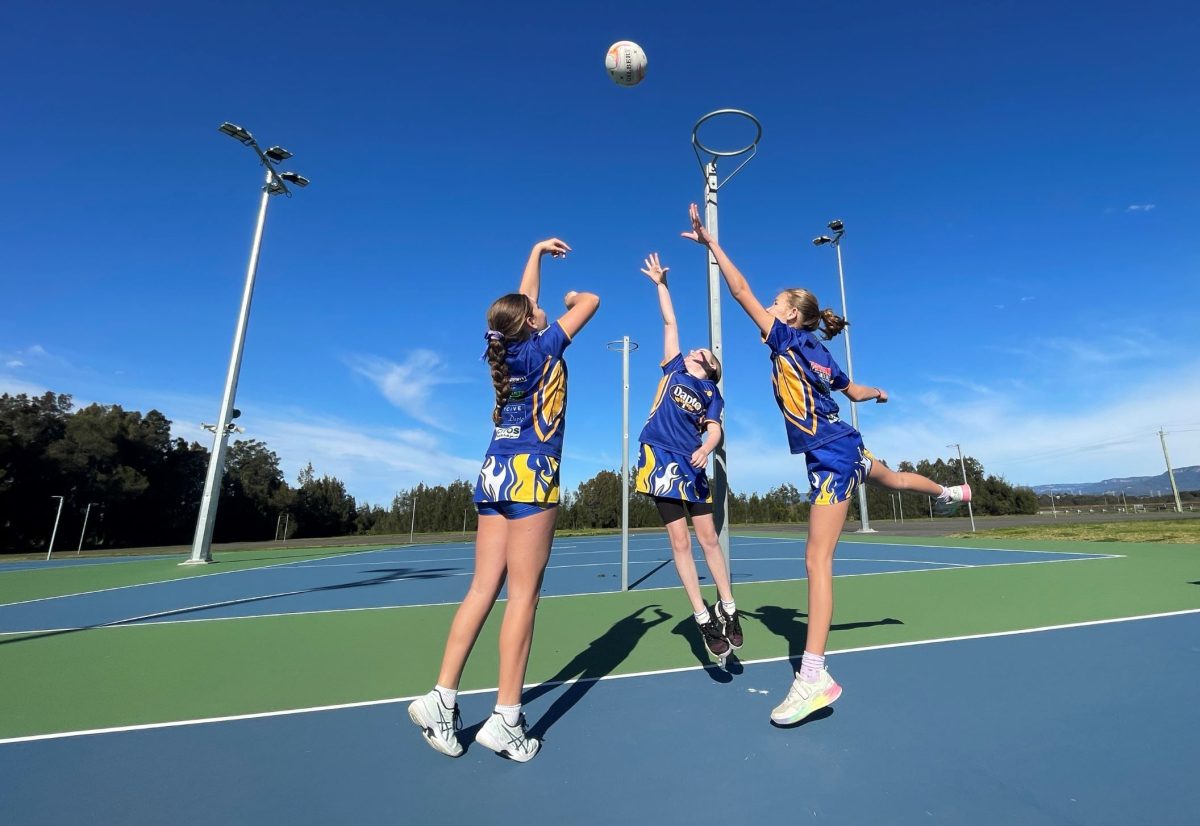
[[1019, 190]]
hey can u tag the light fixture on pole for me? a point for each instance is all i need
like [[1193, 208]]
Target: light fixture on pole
[[963, 465], [275, 183], [838, 228], [720, 477], [625, 347], [83, 532], [54, 533]]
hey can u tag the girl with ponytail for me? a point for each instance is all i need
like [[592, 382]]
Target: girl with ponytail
[[805, 375], [517, 499]]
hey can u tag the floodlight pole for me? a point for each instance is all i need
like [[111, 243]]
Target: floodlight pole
[[1162, 437], [412, 524], [963, 465], [202, 542], [862, 489], [54, 532], [720, 476], [625, 346]]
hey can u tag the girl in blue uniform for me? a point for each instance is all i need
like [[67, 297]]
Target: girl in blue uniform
[[804, 376], [684, 427], [517, 497]]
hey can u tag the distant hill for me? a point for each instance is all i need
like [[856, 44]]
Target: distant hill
[[1187, 478]]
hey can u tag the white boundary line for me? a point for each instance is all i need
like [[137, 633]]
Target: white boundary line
[[366, 703]]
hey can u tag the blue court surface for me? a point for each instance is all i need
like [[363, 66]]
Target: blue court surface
[[436, 574], [1083, 725]]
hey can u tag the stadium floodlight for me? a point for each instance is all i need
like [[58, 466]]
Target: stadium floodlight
[[273, 184], [237, 133], [839, 229]]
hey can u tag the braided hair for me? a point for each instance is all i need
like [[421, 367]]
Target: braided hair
[[506, 323]]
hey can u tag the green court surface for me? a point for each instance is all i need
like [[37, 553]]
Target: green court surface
[[130, 675]]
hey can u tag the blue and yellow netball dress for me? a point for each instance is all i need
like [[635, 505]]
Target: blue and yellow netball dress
[[683, 405], [804, 376], [522, 461]]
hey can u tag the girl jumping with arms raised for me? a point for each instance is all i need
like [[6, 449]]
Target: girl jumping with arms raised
[[804, 376], [517, 498], [684, 427]]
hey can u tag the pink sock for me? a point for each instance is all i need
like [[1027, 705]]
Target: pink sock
[[810, 667]]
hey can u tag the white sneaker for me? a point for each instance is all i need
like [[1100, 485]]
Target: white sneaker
[[955, 494], [803, 698], [439, 724], [508, 741]]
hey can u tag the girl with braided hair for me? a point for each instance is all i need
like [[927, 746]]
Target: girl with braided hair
[[517, 498], [804, 375]]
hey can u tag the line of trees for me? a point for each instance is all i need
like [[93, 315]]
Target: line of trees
[[144, 488]]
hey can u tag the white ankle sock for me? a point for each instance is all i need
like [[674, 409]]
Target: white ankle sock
[[701, 617], [449, 695], [729, 607], [511, 714], [810, 667]]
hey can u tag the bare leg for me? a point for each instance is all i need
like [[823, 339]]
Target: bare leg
[[490, 569], [885, 477], [685, 565], [529, 542], [706, 535], [825, 524]]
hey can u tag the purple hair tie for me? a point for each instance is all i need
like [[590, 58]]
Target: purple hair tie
[[490, 336]]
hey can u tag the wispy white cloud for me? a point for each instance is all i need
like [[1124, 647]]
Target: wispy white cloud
[[1139, 207], [14, 363], [409, 385]]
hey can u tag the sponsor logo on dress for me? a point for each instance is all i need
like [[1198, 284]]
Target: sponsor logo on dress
[[508, 432], [686, 399]]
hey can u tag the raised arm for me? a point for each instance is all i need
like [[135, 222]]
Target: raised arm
[[531, 278], [658, 274], [739, 287], [580, 309]]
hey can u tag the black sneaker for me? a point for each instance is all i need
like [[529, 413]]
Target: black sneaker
[[732, 624], [713, 635]]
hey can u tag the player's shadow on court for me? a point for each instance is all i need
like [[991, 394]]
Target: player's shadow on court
[[789, 624], [599, 659], [689, 629]]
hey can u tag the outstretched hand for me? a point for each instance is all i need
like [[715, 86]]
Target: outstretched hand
[[655, 271], [698, 234], [882, 397], [554, 246]]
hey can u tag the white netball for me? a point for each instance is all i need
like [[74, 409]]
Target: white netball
[[626, 63]]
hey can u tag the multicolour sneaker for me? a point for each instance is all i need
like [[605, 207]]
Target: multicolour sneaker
[[713, 633], [508, 741], [803, 698], [955, 494], [439, 724], [731, 625]]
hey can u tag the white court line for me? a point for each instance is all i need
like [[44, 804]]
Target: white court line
[[129, 623], [364, 703]]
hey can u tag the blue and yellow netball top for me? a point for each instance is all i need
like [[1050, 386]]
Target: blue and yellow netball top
[[804, 376], [533, 418], [682, 406]]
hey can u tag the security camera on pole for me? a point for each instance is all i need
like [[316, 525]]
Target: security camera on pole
[[720, 481], [275, 183], [839, 229]]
